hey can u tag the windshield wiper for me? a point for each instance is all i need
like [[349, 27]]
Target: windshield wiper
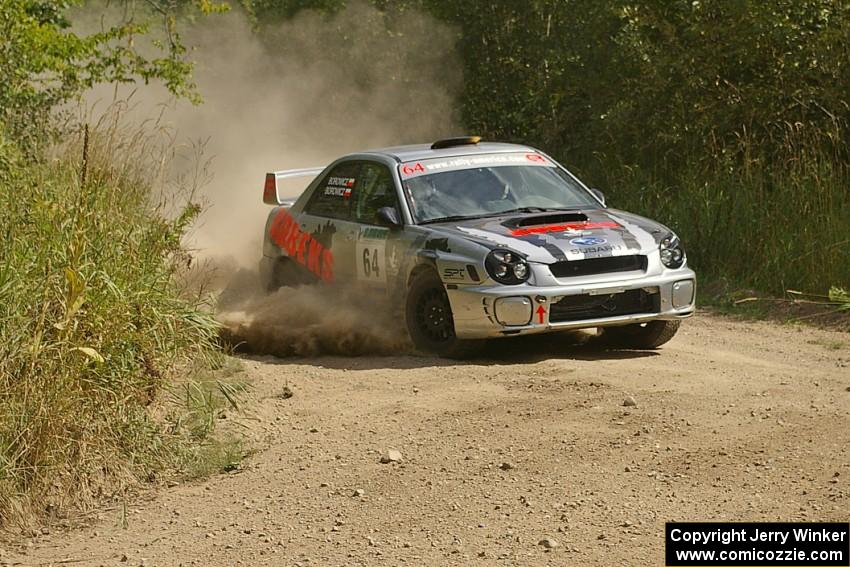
[[497, 214], [535, 210], [455, 218]]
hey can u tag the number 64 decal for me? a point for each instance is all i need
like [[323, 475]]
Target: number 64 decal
[[370, 261], [371, 267]]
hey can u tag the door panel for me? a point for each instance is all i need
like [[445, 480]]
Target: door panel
[[375, 189], [371, 253], [326, 218]]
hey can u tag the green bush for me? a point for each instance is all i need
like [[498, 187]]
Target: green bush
[[91, 324], [764, 226]]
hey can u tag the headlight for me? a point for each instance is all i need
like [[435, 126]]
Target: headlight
[[672, 254], [506, 267]]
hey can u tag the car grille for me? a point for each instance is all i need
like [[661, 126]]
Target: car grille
[[591, 266], [580, 307]]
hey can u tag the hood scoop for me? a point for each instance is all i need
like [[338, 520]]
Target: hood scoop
[[546, 218]]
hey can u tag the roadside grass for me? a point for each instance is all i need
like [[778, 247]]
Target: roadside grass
[[822, 311], [93, 329], [725, 305], [202, 414], [828, 344]]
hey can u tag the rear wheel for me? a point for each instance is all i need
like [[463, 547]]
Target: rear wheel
[[428, 314], [649, 335], [278, 273]]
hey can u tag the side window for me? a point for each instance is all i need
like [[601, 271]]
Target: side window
[[375, 189], [332, 198]]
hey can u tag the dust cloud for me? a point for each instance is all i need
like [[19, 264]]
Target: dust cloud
[[295, 95], [308, 320], [330, 86]]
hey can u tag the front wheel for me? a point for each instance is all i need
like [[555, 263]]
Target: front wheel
[[648, 336], [428, 315]]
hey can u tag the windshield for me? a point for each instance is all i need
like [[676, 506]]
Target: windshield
[[535, 185]]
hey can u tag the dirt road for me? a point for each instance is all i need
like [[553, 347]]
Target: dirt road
[[734, 421]]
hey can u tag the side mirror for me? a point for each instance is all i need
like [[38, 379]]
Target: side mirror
[[388, 216], [599, 195]]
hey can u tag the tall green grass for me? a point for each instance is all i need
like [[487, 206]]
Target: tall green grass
[[91, 323], [768, 223]]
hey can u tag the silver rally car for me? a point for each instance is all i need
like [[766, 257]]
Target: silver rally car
[[477, 240]]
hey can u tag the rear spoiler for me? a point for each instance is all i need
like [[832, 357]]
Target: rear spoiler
[[270, 188]]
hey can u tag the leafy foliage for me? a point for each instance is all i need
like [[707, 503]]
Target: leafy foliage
[[841, 297], [43, 63], [728, 120]]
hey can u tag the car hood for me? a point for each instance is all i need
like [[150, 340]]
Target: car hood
[[563, 235]]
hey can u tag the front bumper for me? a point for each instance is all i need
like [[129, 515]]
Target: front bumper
[[491, 311]]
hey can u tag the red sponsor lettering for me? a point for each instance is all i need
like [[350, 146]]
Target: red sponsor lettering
[[291, 240], [280, 224], [314, 256], [327, 266], [526, 231], [301, 246]]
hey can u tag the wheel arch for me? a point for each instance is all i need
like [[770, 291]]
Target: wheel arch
[[422, 266]]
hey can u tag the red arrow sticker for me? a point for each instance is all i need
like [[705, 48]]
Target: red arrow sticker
[[541, 312]]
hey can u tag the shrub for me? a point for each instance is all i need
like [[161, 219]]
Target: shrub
[[91, 323]]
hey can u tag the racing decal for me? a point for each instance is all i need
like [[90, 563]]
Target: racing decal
[[424, 167], [371, 254], [454, 274], [541, 315], [301, 246], [410, 169], [591, 251], [437, 244], [374, 232], [588, 241], [340, 186], [548, 244], [521, 246], [393, 260], [563, 227], [644, 240], [593, 246]]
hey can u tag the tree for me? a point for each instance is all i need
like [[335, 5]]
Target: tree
[[43, 63]]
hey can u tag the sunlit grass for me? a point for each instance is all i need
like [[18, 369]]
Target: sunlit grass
[[771, 223], [92, 326]]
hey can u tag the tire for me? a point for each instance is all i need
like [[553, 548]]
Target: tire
[[428, 315], [278, 273], [645, 336]]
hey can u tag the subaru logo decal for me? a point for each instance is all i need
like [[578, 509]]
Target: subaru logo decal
[[588, 241]]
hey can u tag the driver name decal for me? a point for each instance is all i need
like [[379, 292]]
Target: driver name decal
[[340, 187]]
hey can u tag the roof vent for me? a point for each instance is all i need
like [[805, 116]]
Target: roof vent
[[451, 142]]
